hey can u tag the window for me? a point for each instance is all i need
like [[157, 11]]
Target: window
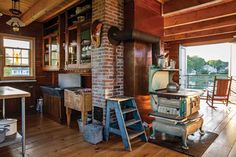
[[18, 57]]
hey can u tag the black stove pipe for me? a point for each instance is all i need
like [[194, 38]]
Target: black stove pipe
[[115, 36]]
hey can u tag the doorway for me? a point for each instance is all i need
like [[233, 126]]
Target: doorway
[[199, 64]]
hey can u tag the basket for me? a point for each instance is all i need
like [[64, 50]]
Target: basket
[[93, 133]]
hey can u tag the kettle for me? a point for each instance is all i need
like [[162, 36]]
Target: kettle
[[172, 87]]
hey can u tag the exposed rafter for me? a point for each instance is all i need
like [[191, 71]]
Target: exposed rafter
[[223, 10], [201, 26], [58, 9], [227, 37], [204, 33], [39, 9], [174, 7]]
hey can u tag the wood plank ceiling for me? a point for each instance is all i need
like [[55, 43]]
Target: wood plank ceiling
[[39, 10], [5, 5], [183, 19], [198, 19]]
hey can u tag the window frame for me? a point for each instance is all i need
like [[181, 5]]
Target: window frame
[[3, 57]]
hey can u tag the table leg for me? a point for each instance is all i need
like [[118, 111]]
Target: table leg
[[84, 115], [3, 109], [23, 124], [68, 116]]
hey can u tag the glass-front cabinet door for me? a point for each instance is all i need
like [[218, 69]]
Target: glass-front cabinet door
[[85, 49], [72, 50], [51, 53], [54, 52], [46, 50]]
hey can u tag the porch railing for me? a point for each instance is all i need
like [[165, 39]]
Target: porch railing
[[201, 81], [204, 81]]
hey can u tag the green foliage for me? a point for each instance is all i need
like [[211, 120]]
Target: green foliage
[[195, 63], [218, 64]]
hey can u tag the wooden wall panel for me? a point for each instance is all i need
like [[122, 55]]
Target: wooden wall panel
[[137, 60], [140, 15], [32, 30], [148, 18]]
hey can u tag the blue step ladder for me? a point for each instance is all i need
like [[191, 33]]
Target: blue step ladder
[[128, 123]]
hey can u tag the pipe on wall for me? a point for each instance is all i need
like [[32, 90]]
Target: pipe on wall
[[116, 36]]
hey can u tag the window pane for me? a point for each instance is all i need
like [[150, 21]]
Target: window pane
[[9, 52], [16, 61], [17, 53], [25, 62], [16, 71], [16, 43], [9, 61], [25, 53]]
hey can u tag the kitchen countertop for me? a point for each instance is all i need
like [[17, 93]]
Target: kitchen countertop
[[17, 81], [7, 92]]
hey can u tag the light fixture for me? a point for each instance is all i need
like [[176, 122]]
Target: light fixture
[[1, 14], [15, 22]]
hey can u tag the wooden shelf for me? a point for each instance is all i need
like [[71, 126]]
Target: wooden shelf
[[82, 24], [49, 27], [11, 140], [81, 13]]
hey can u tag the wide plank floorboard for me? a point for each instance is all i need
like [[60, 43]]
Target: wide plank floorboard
[[46, 138]]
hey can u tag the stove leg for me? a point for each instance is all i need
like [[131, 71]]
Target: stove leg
[[184, 140], [202, 132]]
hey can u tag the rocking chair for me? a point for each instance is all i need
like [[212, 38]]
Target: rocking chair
[[220, 92]]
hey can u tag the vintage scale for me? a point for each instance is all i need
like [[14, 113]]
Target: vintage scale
[[175, 113]]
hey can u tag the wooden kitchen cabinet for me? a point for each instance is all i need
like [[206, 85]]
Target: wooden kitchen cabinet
[[51, 47], [51, 53], [78, 49], [77, 100], [53, 107]]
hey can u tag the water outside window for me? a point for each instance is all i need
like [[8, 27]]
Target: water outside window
[[205, 62]]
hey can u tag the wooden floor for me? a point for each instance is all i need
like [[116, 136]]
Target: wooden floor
[[46, 138]]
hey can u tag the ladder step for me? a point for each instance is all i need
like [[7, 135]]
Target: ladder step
[[133, 134], [131, 122], [128, 110]]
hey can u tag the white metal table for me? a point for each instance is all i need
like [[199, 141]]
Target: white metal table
[[7, 92]]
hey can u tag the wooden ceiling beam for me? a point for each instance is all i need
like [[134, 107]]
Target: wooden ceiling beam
[[39, 9], [223, 10], [174, 7], [57, 10], [206, 40], [205, 33], [205, 25]]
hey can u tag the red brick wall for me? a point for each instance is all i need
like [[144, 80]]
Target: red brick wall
[[107, 61]]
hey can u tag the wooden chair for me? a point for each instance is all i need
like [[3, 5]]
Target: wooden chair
[[220, 92]]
